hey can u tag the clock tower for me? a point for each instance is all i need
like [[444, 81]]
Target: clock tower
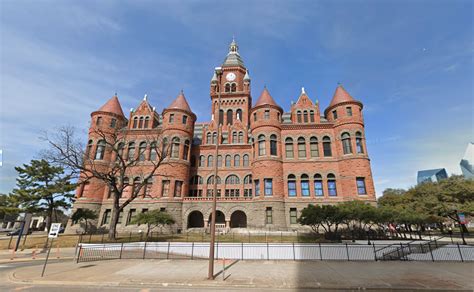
[[234, 86]]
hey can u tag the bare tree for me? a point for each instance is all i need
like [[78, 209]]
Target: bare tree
[[111, 160]]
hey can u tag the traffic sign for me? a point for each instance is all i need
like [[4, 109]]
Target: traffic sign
[[54, 231]]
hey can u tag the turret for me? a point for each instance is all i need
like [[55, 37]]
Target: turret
[[343, 107], [267, 165]]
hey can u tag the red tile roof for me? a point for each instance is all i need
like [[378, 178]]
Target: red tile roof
[[113, 106], [265, 98], [340, 95], [180, 103]]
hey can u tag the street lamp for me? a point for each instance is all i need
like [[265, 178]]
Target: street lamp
[[210, 275]]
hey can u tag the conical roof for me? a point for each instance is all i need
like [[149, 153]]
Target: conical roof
[[340, 96], [180, 103], [112, 106], [266, 99]]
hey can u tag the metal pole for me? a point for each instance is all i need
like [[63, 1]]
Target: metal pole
[[47, 257], [460, 253], [210, 274]]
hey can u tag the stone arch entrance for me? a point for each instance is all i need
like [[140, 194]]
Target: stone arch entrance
[[238, 219], [220, 217], [195, 219]]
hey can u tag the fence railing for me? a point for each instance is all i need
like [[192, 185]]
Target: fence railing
[[272, 251]]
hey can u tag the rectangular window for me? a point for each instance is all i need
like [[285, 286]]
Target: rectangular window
[[106, 217], [185, 119], [165, 188], [334, 114], [313, 147], [293, 216], [113, 123], [144, 210], [261, 148], [257, 187], [318, 188], [332, 188], [268, 186], [292, 188], [349, 111], [273, 147], [305, 188], [254, 117], [98, 121], [359, 147], [131, 215], [289, 150], [267, 114], [269, 215], [361, 186], [327, 149], [120, 217], [301, 150], [171, 119], [177, 188]]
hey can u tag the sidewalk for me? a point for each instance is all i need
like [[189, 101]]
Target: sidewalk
[[251, 274]]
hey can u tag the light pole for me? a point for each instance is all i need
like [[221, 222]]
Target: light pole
[[210, 275]]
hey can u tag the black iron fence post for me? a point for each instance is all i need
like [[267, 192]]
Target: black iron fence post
[[242, 245], [347, 251], [431, 252], [320, 252], [268, 252], [375, 252], [168, 251], [460, 253], [121, 250], [144, 250], [192, 251], [79, 254]]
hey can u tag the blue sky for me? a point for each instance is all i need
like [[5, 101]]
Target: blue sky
[[409, 62]]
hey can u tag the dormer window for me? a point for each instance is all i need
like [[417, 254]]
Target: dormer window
[[311, 116], [147, 121], [298, 115], [185, 119], [113, 123], [349, 111], [171, 118], [135, 122], [267, 114], [140, 123], [305, 115]]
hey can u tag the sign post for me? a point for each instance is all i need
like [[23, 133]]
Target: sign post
[[53, 233]]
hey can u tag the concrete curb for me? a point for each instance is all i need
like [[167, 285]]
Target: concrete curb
[[17, 260]]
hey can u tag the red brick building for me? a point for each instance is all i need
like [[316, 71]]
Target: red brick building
[[271, 163]]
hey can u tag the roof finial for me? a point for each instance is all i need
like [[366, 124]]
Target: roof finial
[[302, 90], [182, 91], [145, 97], [339, 83], [115, 93], [131, 110]]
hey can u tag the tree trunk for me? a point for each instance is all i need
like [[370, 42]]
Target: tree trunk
[[115, 217]]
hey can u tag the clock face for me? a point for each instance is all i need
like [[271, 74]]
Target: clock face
[[230, 76]]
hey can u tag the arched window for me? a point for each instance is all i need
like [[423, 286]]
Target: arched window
[[227, 161], [239, 114], [273, 145], [298, 115], [221, 117], [202, 161], [100, 150], [193, 161], [131, 150], [210, 180], [126, 189], [232, 180], [229, 117], [332, 191], [241, 137], [175, 147], [233, 87], [289, 148], [261, 145], [186, 150], [327, 146], [88, 153], [304, 185], [210, 161], [135, 122], [164, 148], [227, 87], [147, 121], [313, 146], [234, 137], [237, 160], [141, 151], [153, 151], [248, 179], [140, 123], [301, 147], [305, 116], [346, 143], [246, 160], [219, 161], [359, 146], [214, 138], [119, 151], [311, 116], [291, 185], [318, 185], [208, 138]]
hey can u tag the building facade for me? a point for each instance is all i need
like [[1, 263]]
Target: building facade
[[271, 163]]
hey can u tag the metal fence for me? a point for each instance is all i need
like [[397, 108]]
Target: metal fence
[[276, 251]]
